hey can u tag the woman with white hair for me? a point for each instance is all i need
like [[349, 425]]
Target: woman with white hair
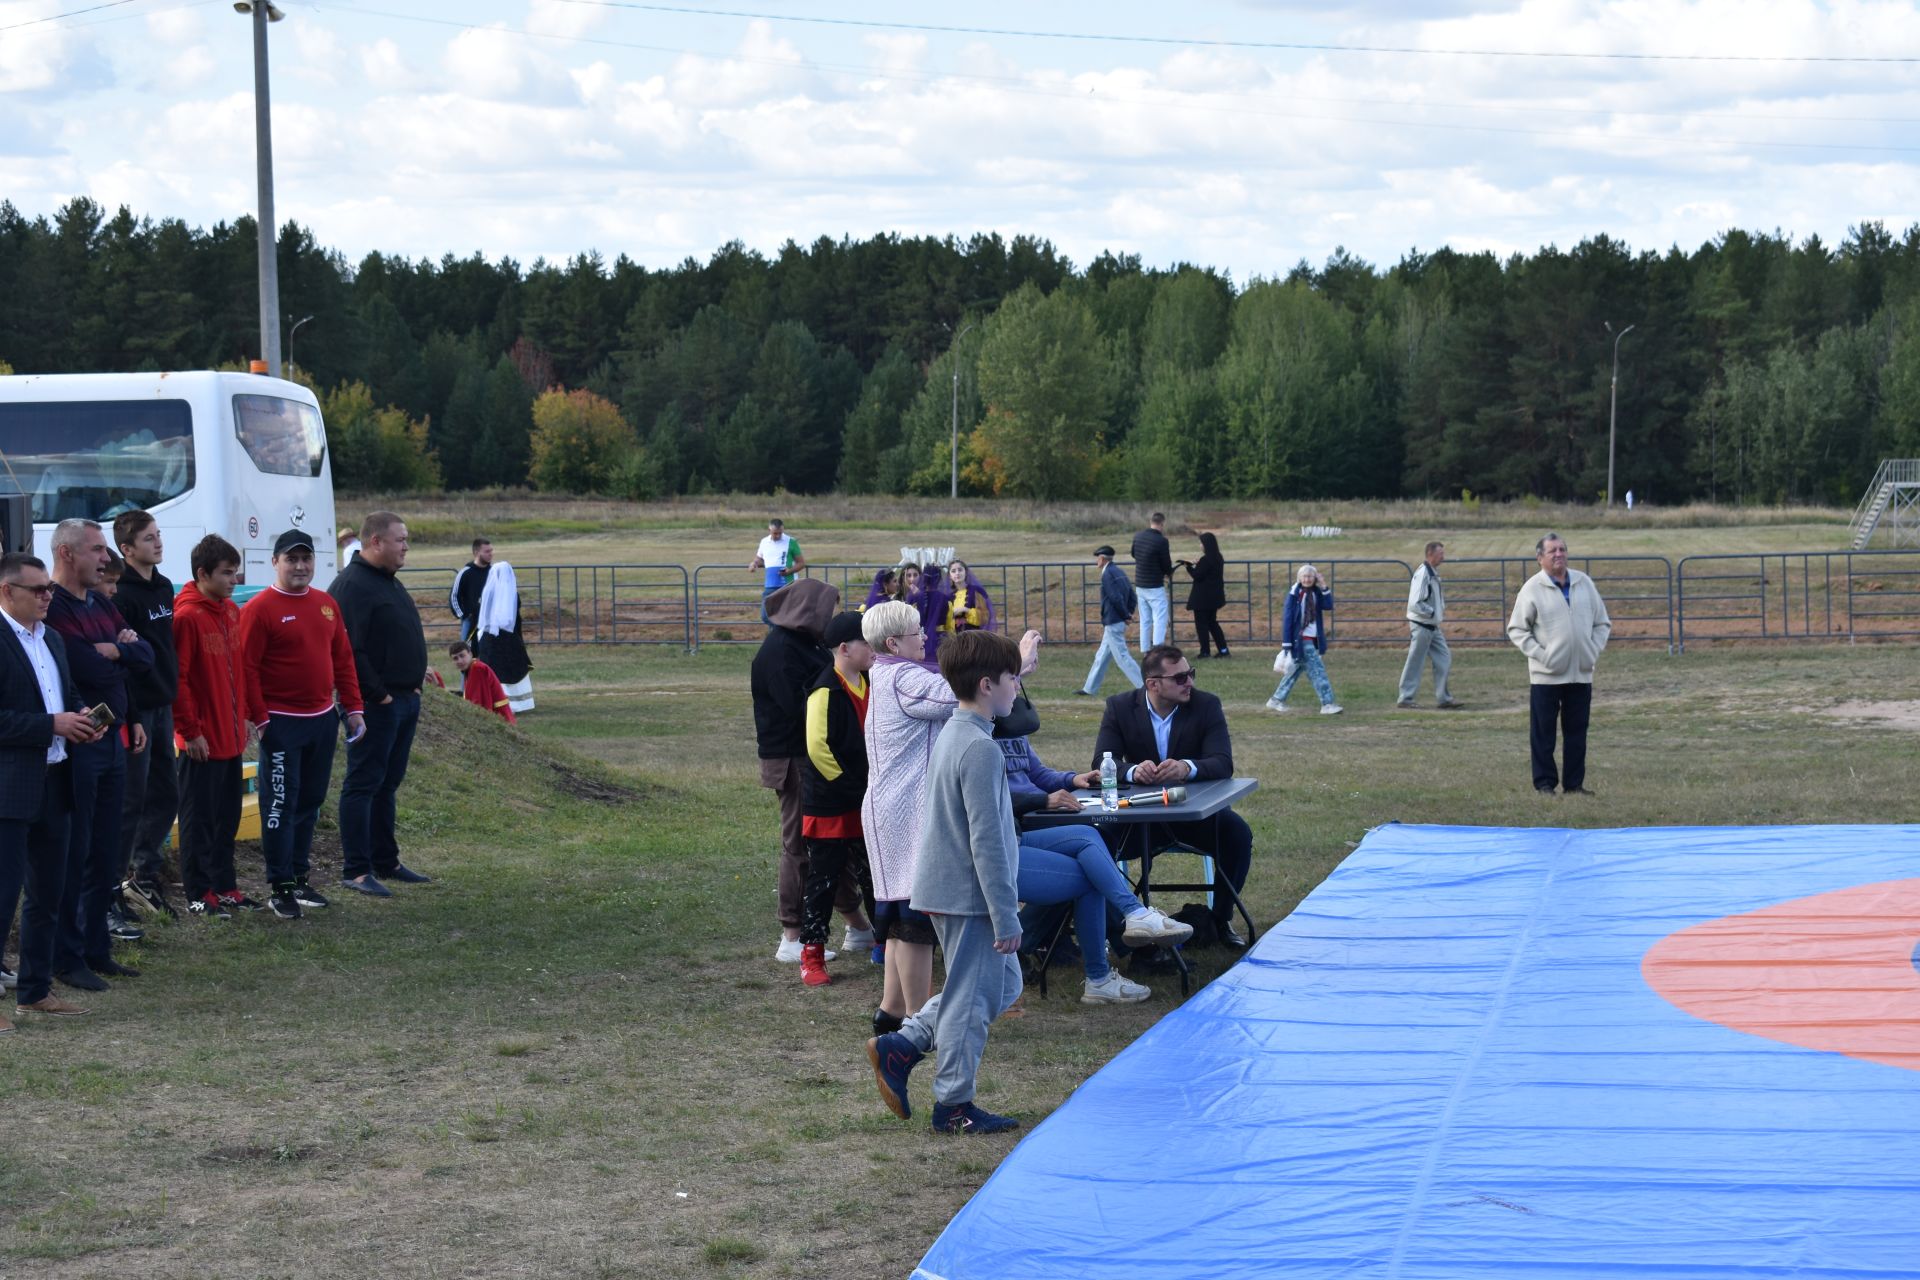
[[497, 640], [1303, 638]]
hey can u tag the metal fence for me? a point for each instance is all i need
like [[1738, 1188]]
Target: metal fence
[[1808, 595]]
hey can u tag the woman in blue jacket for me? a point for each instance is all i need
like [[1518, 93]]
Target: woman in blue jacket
[[1303, 638]]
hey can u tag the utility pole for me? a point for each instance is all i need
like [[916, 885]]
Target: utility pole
[[262, 12], [954, 492], [1613, 411]]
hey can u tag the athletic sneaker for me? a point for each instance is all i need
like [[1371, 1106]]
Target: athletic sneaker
[[119, 903], [789, 952], [283, 904], [893, 1057], [9, 980], [1113, 989], [308, 896], [813, 964], [967, 1118], [883, 1022], [121, 929], [879, 953], [1274, 704], [209, 906], [1149, 925], [1405, 704], [238, 901], [152, 894], [857, 940], [1332, 709]]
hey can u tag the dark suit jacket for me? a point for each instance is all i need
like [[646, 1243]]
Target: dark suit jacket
[[26, 730], [1199, 734]]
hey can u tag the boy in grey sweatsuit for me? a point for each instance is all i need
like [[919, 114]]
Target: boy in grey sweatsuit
[[964, 879]]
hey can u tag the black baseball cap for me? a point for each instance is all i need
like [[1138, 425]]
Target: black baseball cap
[[292, 540], [843, 628], [1104, 550]]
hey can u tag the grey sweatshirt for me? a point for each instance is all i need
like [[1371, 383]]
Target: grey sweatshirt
[[969, 850]]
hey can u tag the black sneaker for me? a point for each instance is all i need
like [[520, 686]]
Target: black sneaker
[[406, 875], [884, 1022], [122, 905], [150, 892], [209, 907], [234, 900], [283, 904], [111, 968], [120, 929], [84, 979], [308, 896]]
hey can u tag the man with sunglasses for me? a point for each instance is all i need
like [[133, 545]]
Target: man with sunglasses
[[38, 723], [1171, 734]]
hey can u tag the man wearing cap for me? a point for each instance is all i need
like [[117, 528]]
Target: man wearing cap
[[1118, 602], [294, 643]]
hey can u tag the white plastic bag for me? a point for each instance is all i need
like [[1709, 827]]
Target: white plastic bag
[[1283, 663]]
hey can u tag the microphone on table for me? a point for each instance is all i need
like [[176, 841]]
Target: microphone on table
[[1145, 799]]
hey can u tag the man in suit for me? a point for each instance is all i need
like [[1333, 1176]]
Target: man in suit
[[1170, 734], [36, 781]]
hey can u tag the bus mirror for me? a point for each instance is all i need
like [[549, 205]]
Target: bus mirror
[[16, 523]]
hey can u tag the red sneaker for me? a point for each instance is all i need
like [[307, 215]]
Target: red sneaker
[[813, 964]]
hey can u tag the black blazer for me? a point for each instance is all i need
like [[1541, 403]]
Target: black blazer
[[26, 730], [1209, 574], [1199, 734]]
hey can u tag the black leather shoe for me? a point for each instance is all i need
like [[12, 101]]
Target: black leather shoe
[[111, 968], [84, 979], [1577, 791], [406, 875], [1230, 937], [1545, 791]]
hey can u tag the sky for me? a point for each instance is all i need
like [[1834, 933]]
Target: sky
[[1199, 132]]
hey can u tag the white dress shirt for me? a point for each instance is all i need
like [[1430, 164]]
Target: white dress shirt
[[35, 643]]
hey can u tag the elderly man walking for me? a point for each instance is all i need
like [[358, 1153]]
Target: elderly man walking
[[1561, 624], [1426, 611]]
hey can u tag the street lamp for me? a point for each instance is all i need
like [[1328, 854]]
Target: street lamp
[[1613, 411], [296, 328], [262, 12], [955, 460]]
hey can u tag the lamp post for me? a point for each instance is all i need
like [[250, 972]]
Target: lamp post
[[262, 12], [296, 328], [1613, 410], [954, 491]]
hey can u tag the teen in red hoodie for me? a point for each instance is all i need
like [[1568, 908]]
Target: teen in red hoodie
[[209, 713], [294, 647]]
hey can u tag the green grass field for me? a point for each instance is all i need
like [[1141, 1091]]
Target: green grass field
[[574, 1055]]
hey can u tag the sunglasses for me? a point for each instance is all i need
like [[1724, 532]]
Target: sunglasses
[[1178, 677], [45, 589]]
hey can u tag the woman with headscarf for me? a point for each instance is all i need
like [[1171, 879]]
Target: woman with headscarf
[[497, 638], [1209, 593], [885, 586]]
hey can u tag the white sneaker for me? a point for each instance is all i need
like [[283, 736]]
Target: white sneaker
[[1149, 925], [1332, 709], [789, 952], [857, 941], [8, 979], [1113, 989], [1274, 704]]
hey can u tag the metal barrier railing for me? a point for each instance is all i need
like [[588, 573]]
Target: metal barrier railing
[[1822, 595], [1798, 595]]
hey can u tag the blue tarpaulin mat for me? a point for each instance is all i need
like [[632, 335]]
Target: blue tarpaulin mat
[[1514, 1053]]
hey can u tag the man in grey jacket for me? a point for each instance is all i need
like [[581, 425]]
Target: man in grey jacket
[[1561, 624], [1426, 611], [965, 878], [1118, 600]]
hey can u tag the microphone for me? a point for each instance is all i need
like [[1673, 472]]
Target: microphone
[[1146, 799]]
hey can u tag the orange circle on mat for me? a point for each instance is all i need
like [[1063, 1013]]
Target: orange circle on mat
[[1833, 972]]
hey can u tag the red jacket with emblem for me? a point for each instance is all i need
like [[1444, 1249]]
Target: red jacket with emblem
[[295, 648], [215, 686]]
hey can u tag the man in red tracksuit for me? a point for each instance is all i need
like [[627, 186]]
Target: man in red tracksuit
[[294, 647], [209, 715]]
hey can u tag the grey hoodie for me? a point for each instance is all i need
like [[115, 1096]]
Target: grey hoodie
[[969, 849]]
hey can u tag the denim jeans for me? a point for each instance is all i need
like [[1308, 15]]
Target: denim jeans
[[1307, 661], [376, 766], [1113, 649], [1155, 616], [1047, 878]]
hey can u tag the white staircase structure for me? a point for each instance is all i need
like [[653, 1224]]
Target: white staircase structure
[[1891, 502]]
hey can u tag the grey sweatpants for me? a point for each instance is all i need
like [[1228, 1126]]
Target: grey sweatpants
[[981, 985], [1425, 643]]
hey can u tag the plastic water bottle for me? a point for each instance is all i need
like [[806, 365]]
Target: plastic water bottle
[[1109, 784]]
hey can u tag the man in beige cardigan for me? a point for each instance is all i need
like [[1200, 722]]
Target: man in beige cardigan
[[1561, 624]]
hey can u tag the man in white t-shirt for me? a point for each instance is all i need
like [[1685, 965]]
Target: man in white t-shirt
[[779, 558]]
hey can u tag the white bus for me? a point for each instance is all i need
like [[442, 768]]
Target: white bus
[[238, 454]]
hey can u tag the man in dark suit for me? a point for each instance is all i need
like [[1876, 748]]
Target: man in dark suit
[[1168, 734], [37, 724]]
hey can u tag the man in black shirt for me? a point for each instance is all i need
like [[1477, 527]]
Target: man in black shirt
[[390, 656], [1152, 572], [468, 582], [145, 600]]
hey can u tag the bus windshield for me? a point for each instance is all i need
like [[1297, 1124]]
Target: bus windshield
[[93, 459], [283, 437]]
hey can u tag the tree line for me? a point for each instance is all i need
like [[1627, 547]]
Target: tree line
[[1760, 368]]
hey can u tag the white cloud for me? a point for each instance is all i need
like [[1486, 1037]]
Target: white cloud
[[32, 57], [558, 18]]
